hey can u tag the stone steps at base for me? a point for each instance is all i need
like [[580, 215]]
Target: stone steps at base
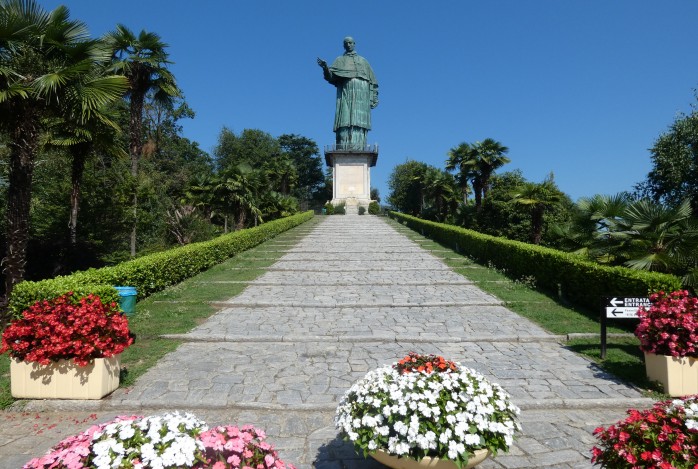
[[107, 404]]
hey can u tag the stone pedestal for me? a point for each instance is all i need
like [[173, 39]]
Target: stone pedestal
[[351, 175]]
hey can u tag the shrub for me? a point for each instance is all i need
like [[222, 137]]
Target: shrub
[[374, 208], [580, 281], [362, 209], [154, 272], [329, 209], [340, 209]]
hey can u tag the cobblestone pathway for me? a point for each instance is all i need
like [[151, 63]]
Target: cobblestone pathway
[[353, 294]]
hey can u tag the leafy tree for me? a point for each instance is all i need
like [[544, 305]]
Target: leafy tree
[[674, 174], [143, 60], [406, 187], [45, 64], [539, 197], [305, 155], [176, 158], [498, 216], [254, 147]]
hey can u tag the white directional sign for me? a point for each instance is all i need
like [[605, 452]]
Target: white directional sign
[[618, 307]]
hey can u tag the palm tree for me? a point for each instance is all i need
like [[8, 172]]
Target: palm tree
[[539, 197], [45, 64], [464, 160], [95, 134], [143, 60], [490, 156], [282, 174], [238, 194], [439, 189], [659, 238], [594, 222]]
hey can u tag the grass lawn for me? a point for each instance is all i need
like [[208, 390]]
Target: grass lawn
[[623, 356], [182, 307]]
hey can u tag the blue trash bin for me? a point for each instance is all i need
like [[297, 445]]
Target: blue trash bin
[[127, 299]]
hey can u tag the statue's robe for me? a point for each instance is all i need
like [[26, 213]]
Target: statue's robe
[[357, 92]]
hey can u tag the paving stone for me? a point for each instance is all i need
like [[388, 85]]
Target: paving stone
[[282, 353]]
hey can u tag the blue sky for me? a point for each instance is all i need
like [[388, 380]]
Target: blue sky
[[581, 88]]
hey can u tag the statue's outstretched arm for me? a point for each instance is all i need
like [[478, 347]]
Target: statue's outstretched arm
[[325, 69]]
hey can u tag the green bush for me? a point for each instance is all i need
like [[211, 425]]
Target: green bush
[[362, 209], [340, 209], [329, 209], [154, 272], [579, 281], [374, 208]]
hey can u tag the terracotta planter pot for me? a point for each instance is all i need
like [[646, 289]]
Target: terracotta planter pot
[[678, 375], [64, 379], [433, 463]]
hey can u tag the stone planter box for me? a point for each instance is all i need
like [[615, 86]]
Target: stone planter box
[[432, 463], [64, 380], [678, 375]]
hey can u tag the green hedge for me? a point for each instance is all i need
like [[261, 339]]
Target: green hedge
[[153, 272], [579, 281]]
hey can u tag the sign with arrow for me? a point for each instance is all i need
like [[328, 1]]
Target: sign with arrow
[[620, 308]]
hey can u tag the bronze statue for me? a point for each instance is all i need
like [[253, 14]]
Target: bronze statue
[[357, 94]]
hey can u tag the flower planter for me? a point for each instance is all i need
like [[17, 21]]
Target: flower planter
[[678, 375], [64, 379], [433, 463]]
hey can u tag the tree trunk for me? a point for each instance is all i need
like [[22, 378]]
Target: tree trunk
[[135, 150], [537, 224], [25, 139], [79, 153], [477, 192]]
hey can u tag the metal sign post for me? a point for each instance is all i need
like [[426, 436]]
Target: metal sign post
[[619, 308]]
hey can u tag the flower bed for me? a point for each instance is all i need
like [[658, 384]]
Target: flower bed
[[171, 440], [665, 436], [425, 406]]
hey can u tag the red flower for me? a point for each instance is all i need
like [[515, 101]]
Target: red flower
[[657, 437], [670, 325], [67, 327], [415, 362]]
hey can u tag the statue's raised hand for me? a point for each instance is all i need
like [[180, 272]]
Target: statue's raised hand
[[322, 63]]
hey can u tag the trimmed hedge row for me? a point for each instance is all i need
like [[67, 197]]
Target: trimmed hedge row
[[153, 272], [579, 281]]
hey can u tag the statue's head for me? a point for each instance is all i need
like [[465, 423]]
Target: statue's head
[[349, 44]]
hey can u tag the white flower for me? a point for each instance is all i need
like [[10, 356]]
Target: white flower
[[407, 414]]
